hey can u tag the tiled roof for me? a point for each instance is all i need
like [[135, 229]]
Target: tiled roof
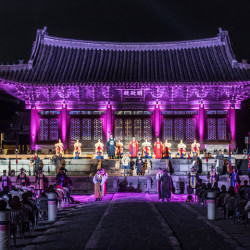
[[58, 60]]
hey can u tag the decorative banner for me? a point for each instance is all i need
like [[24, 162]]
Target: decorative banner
[[132, 93]]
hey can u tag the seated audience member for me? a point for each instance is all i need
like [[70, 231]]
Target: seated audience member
[[244, 187], [3, 205], [247, 207], [229, 202], [15, 204], [216, 189], [240, 204]]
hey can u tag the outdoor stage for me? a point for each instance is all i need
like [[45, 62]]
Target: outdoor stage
[[81, 172]]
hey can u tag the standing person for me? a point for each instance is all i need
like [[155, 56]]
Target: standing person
[[139, 165], [99, 149], [77, 149], [97, 179], [104, 181], [133, 148], [111, 144], [166, 150], [195, 149], [4, 179], [40, 178], [181, 150], [125, 161], [59, 148], [37, 164], [158, 179], [146, 149], [220, 162], [193, 177], [158, 149], [119, 149], [212, 176], [166, 186], [234, 178], [22, 178]]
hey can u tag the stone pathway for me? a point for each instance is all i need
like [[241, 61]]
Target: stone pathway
[[137, 221]]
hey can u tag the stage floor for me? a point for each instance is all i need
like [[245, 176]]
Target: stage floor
[[129, 197]]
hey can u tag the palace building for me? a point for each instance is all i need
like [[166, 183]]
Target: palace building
[[88, 90]]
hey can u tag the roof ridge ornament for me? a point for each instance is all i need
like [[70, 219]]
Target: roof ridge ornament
[[222, 34]]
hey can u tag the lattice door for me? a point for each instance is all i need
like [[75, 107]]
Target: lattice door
[[178, 129], [86, 129], [75, 128], [128, 130], [211, 129], [190, 129], [53, 129], [222, 129], [168, 129], [137, 129], [44, 130], [97, 129], [118, 129], [147, 129]]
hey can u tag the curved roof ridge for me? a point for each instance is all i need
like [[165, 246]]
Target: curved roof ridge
[[86, 44]]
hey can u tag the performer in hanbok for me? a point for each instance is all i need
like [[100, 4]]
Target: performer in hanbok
[[36, 164], [158, 149], [181, 150], [146, 149], [219, 162], [193, 177], [133, 148], [97, 179], [212, 176], [40, 178], [99, 149], [158, 179], [125, 164], [119, 149], [166, 186], [195, 149], [59, 148], [139, 165], [111, 144], [234, 178], [166, 150], [4, 180], [22, 178], [104, 181], [77, 149]]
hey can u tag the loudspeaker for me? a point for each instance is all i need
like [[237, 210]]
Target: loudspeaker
[[246, 139], [2, 136]]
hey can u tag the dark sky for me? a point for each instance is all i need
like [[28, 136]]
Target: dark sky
[[117, 20]]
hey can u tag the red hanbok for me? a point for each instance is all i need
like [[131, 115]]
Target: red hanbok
[[158, 149], [133, 148]]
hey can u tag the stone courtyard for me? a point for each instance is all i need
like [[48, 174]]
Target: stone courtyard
[[136, 221]]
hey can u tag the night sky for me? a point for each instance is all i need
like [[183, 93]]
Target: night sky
[[127, 21]]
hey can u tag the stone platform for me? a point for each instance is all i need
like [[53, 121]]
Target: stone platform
[[88, 167]]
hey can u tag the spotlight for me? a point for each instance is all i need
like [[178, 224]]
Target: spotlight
[[225, 150], [39, 151], [50, 151], [28, 150], [215, 150], [205, 150], [235, 151], [245, 151]]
